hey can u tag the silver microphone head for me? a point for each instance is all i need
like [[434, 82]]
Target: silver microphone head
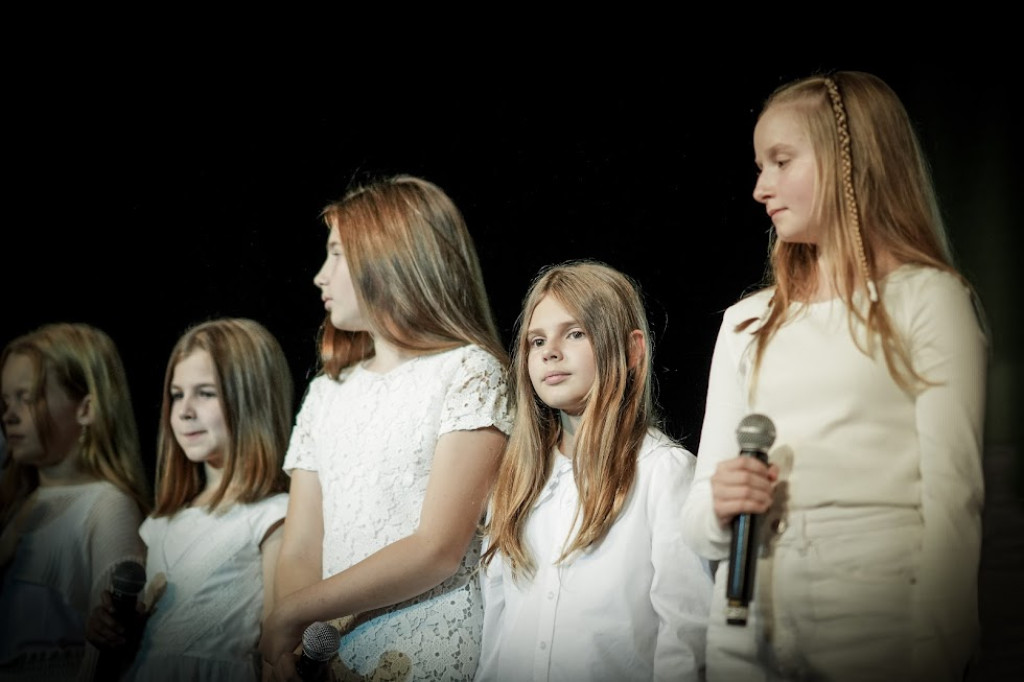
[[755, 432], [320, 641]]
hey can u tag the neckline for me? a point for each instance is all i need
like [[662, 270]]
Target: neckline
[[400, 368], [895, 275]]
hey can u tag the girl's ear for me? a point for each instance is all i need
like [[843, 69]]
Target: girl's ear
[[86, 413], [637, 347]]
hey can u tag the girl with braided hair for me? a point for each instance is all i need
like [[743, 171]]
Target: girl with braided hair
[[867, 350]]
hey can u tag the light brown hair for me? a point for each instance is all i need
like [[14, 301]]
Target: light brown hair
[[619, 411], [85, 362], [254, 385], [415, 270], [873, 194]]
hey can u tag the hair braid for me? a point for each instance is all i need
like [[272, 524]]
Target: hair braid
[[848, 195]]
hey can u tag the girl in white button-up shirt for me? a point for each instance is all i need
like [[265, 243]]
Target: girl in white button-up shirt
[[586, 575]]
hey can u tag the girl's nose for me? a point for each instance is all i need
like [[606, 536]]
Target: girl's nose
[[185, 410], [762, 189]]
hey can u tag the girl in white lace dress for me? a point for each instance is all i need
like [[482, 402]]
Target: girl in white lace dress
[[72, 496], [221, 499], [396, 445]]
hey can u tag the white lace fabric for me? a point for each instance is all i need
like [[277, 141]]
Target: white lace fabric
[[371, 438]]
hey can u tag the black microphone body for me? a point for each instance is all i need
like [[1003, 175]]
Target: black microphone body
[[755, 434], [319, 645], [126, 583]]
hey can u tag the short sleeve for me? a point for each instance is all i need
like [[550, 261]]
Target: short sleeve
[[113, 532], [266, 513], [478, 394], [301, 453]]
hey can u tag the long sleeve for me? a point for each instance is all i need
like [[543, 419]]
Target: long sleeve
[[950, 351], [681, 585], [726, 404], [493, 592]]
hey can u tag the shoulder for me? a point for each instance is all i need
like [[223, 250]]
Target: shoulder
[[275, 504], [106, 495], [467, 368], [913, 280], [661, 455], [322, 389], [912, 291], [751, 306], [472, 357], [322, 383], [266, 512]]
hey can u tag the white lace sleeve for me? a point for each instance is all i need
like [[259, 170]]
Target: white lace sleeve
[[301, 445], [478, 395]]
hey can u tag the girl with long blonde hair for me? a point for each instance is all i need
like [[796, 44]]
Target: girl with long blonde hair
[[587, 576], [867, 352]]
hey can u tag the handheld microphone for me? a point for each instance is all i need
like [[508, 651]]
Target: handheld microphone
[[319, 645], [126, 583], [755, 434]]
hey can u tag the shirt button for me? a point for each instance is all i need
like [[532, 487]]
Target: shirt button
[[551, 595], [543, 646]]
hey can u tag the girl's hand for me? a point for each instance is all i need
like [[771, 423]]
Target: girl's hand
[[742, 485], [278, 644], [283, 671], [102, 629]]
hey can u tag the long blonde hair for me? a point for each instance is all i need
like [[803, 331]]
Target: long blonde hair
[[254, 385], [874, 194], [619, 411], [85, 362], [415, 270]]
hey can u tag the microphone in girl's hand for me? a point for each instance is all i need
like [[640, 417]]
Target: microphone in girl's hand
[[319, 645], [755, 434]]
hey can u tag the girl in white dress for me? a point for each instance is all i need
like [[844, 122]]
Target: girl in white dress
[[396, 445], [866, 352], [221, 499], [72, 495], [586, 573]]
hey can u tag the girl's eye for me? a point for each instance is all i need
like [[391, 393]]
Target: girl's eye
[[536, 343], [576, 334], [208, 393], [175, 395]]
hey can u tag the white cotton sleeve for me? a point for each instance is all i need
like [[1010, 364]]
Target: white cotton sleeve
[[725, 406], [949, 349]]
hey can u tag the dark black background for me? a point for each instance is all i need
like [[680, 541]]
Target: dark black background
[[158, 194], [153, 185]]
